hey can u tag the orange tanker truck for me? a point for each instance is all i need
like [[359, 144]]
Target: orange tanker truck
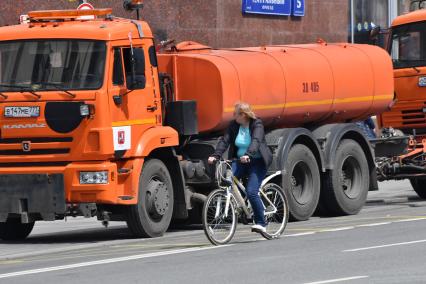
[[95, 123], [406, 44]]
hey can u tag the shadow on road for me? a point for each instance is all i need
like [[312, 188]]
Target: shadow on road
[[91, 235], [410, 201]]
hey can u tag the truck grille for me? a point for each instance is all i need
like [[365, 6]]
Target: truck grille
[[406, 115], [38, 146], [410, 117], [35, 152], [35, 140]]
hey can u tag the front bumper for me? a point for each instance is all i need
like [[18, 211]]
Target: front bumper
[[32, 196], [48, 189]]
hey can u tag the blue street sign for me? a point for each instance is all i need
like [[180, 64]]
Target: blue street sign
[[298, 8], [268, 7]]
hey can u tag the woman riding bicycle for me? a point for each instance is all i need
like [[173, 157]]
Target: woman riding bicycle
[[245, 138]]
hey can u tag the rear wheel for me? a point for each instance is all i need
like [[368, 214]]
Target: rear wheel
[[13, 230], [301, 182], [419, 186], [219, 221], [151, 216], [276, 210], [345, 188]]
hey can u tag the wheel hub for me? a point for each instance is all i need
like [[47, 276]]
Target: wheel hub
[[157, 198], [350, 177], [293, 181], [301, 183]]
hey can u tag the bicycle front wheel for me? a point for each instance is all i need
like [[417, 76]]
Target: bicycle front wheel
[[276, 210], [219, 218]]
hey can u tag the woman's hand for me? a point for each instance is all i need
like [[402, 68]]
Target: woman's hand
[[245, 159], [211, 160]]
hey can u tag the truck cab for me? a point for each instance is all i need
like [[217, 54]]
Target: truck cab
[[81, 110], [407, 46]]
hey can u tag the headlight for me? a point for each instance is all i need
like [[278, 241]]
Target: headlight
[[94, 177]]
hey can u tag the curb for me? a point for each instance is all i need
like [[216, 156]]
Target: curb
[[389, 200]]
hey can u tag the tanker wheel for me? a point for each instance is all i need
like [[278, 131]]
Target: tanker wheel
[[151, 216], [13, 229], [419, 186], [301, 181], [345, 187]]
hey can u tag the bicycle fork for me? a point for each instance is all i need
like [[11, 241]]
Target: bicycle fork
[[227, 203]]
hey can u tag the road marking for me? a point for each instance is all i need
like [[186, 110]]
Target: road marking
[[384, 246], [105, 261], [3, 262], [412, 219], [319, 230], [338, 229], [374, 224], [300, 234], [338, 280]]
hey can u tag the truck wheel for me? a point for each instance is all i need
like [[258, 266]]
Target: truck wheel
[[301, 181], [345, 187], [419, 186], [13, 230], [151, 216]]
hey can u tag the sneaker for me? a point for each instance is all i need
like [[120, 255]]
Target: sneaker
[[258, 228]]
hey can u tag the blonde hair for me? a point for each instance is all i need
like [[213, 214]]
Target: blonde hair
[[241, 107]]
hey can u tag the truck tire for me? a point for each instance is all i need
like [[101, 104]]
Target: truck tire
[[14, 230], [345, 187], [301, 182], [151, 216], [419, 186]]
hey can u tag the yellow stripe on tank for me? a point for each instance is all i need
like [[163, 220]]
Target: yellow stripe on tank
[[316, 103]]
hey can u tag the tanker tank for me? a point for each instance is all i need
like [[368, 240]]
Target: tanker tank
[[287, 85]]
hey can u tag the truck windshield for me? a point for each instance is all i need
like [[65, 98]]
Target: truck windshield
[[52, 64], [408, 46]]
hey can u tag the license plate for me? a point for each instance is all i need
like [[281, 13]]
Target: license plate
[[27, 111], [422, 82]]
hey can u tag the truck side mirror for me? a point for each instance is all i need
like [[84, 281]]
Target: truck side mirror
[[135, 82], [135, 77], [374, 33]]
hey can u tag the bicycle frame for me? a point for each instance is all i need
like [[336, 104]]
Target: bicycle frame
[[233, 191]]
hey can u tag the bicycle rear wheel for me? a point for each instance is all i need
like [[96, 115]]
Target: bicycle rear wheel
[[276, 212], [219, 226]]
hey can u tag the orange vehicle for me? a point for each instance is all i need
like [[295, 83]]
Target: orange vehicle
[[406, 45], [94, 122]]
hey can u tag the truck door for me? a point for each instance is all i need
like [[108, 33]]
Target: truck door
[[132, 97]]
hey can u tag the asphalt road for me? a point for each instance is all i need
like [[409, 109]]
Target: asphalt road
[[385, 243]]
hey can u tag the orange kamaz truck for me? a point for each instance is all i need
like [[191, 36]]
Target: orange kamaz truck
[[96, 122], [407, 46]]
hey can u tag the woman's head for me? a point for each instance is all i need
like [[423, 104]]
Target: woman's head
[[243, 113]]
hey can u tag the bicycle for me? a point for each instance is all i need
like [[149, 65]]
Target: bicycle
[[224, 206]]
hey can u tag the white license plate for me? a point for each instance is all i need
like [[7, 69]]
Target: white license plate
[[28, 111], [422, 82]]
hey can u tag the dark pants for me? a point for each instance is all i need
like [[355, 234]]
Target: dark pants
[[255, 171]]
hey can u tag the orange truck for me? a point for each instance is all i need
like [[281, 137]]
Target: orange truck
[[406, 44], [95, 122]]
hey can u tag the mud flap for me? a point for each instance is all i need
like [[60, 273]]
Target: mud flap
[[32, 196]]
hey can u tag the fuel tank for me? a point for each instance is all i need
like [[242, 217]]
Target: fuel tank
[[286, 85]]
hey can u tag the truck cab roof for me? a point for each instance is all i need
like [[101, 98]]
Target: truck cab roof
[[416, 16], [107, 29]]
